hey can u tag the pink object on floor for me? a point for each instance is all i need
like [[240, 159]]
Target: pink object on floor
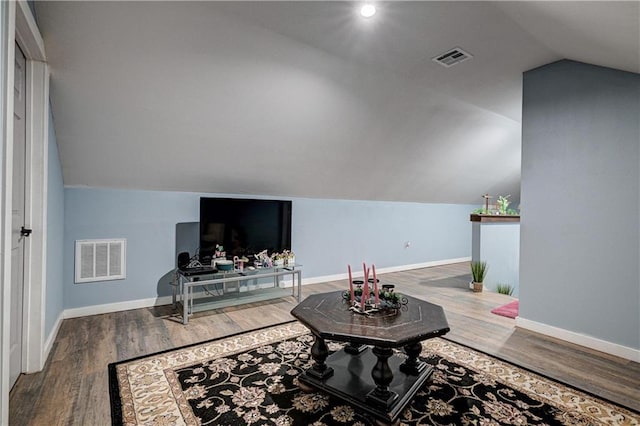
[[509, 310]]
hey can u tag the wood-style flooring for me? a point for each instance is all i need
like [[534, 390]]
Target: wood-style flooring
[[73, 387]]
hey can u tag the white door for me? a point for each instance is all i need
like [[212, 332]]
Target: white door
[[17, 239]]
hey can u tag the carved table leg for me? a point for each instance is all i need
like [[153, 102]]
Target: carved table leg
[[382, 377], [412, 366], [320, 352]]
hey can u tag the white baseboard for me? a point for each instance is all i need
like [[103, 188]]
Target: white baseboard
[[345, 276], [48, 344], [116, 307], [165, 300], [580, 339]]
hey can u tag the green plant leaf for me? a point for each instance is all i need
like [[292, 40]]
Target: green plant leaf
[[479, 271], [504, 289]]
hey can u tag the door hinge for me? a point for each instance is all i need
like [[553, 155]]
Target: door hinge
[[25, 232]]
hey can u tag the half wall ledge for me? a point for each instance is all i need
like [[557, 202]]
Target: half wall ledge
[[493, 218]]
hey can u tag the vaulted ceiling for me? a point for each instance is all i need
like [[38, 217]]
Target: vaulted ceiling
[[308, 99]]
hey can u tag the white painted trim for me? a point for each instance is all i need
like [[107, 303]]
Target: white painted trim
[[27, 296], [7, 37], [19, 26], [326, 278], [116, 307], [580, 339], [165, 300], [27, 33], [345, 276], [48, 344], [7, 31], [36, 170]]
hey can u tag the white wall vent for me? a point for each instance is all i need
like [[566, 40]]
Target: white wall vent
[[452, 57], [100, 260]]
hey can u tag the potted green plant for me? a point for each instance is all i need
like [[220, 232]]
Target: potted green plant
[[503, 204], [504, 289], [478, 273], [501, 208]]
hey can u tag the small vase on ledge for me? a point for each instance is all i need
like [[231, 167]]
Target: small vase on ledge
[[477, 287]]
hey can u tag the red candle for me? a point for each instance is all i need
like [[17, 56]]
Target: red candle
[[362, 294], [351, 284], [375, 284], [365, 292]]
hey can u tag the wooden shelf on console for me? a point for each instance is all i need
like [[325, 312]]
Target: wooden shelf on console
[[494, 218]]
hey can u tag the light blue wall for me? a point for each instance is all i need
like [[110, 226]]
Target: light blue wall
[[326, 236], [329, 234], [55, 233], [580, 196], [498, 244]]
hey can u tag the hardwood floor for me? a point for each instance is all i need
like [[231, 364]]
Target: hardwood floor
[[73, 387]]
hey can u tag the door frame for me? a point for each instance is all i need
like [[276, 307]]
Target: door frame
[[18, 25]]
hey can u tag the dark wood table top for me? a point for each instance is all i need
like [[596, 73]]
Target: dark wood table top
[[328, 316]]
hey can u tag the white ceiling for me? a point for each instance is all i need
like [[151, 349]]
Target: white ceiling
[[307, 99]]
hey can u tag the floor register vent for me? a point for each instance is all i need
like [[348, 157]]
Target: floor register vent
[[100, 260], [452, 57]]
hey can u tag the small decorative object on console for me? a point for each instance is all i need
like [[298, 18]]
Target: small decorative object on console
[[224, 265], [289, 258], [277, 259], [286, 258], [238, 263], [220, 253], [363, 300], [263, 259]]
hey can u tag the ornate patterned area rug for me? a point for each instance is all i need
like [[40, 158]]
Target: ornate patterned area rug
[[251, 379]]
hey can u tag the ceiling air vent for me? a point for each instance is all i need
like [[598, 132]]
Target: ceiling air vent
[[452, 57]]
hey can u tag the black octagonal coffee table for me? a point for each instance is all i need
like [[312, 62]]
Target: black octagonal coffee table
[[366, 373]]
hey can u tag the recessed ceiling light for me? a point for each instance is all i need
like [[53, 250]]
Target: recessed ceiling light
[[368, 10]]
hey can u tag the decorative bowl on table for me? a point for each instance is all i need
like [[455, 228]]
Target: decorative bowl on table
[[224, 265]]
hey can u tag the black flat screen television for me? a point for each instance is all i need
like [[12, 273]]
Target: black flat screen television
[[244, 226]]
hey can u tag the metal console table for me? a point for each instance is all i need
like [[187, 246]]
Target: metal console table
[[206, 291]]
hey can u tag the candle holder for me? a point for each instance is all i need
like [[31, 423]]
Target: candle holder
[[388, 300]]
